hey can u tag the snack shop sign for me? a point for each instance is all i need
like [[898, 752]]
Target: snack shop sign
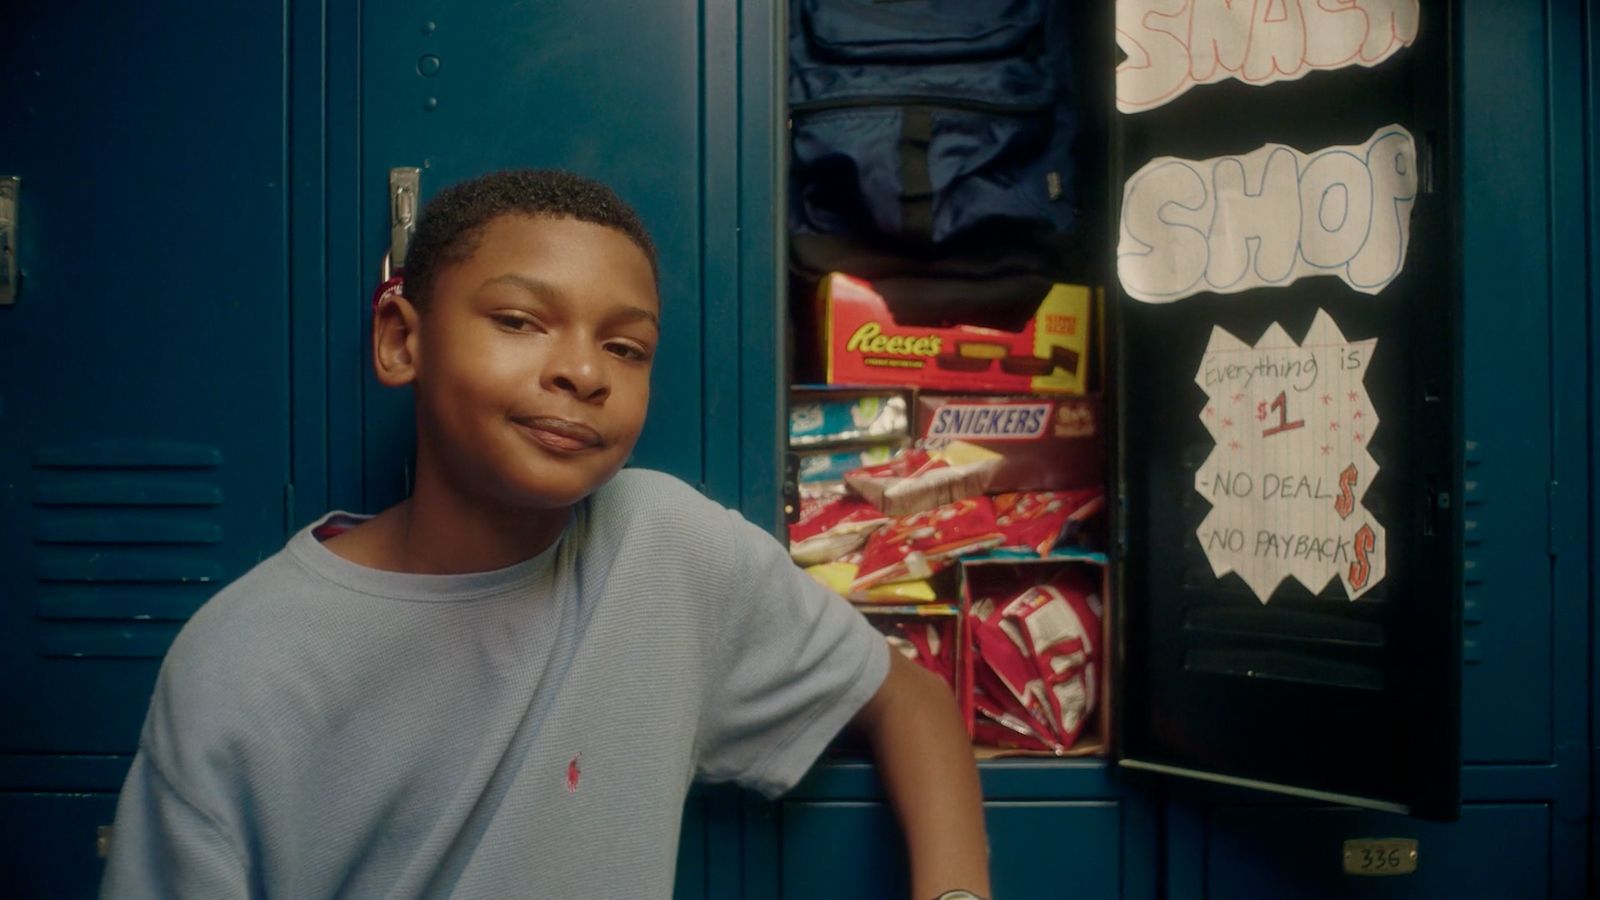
[[1292, 423]]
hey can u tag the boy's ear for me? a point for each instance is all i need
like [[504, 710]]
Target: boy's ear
[[394, 341]]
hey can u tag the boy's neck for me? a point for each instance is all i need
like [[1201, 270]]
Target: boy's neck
[[440, 531]]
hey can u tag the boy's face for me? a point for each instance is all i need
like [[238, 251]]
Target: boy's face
[[532, 360]]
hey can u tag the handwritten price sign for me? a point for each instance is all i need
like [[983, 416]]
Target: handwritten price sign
[[1292, 423]]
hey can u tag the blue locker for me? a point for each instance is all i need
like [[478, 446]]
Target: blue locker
[[184, 378]]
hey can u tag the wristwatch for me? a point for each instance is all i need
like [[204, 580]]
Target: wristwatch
[[958, 895]]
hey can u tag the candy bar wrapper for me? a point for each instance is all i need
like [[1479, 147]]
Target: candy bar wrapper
[[829, 528], [837, 576], [1046, 443], [1037, 521], [829, 466], [836, 420], [917, 480], [914, 547]]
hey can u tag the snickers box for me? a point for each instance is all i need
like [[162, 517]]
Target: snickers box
[[864, 345], [1047, 443]]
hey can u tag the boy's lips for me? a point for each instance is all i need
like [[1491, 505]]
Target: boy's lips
[[560, 434]]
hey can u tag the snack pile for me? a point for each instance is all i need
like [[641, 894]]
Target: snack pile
[[1035, 681], [898, 495]]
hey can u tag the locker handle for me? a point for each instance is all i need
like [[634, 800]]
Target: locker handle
[[404, 184], [10, 188]]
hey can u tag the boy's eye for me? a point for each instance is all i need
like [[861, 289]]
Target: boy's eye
[[515, 321], [628, 350]]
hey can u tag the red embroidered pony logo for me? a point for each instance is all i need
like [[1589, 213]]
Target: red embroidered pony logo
[[573, 774]]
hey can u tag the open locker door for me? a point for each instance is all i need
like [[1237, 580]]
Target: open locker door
[[1287, 338]]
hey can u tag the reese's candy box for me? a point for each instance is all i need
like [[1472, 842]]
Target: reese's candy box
[[863, 344], [1044, 443]]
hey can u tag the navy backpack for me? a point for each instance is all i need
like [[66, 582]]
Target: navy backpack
[[917, 125]]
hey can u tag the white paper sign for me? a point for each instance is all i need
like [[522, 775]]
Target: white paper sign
[[1292, 423], [1173, 45], [1269, 217]]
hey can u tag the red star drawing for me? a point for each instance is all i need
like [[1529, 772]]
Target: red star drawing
[[1326, 449], [1356, 414], [1238, 397], [1359, 437], [1233, 445], [1227, 423], [1333, 426], [1354, 396], [1326, 399]]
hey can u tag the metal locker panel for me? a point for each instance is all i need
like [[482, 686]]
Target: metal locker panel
[[611, 90], [1493, 851], [1300, 689], [847, 850], [144, 373], [52, 843]]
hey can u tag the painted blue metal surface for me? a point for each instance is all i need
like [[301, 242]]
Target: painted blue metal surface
[[846, 850], [1507, 713], [1591, 80], [1493, 851], [49, 843], [144, 375], [276, 285], [531, 85]]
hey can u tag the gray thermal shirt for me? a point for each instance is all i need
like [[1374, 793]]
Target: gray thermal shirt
[[322, 729]]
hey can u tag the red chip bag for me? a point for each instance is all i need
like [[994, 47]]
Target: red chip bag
[[1006, 673], [830, 527], [1060, 625], [992, 702], [1037, 521], [918, 545]]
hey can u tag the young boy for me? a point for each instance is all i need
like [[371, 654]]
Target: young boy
[[504, 685]]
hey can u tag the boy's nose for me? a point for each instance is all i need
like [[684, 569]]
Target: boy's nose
[[577, 371]]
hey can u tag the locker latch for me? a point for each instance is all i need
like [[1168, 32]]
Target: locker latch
[[404, 184], [10, 187]]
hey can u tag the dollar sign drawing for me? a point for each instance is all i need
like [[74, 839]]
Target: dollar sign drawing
[[1345, 504], [1261, 411], [1361, 569]]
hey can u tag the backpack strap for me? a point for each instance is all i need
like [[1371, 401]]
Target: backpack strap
[[916, 182]]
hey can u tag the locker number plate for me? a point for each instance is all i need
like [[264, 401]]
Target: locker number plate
[[1380, 856]]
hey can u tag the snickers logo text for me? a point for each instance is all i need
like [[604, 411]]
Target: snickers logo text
[[989, 422]]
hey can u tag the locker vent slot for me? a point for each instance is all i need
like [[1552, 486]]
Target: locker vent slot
[[1280, 666], [126, 534], [1283, 625]]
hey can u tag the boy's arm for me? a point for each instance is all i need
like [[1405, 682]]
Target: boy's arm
[[163, 846], [925, 762]]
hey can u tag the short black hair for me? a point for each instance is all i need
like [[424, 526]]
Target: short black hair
[[451, 223]]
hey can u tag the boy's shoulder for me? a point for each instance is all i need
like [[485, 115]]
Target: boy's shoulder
[[249, 619], [657, 515], [655, 497]]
